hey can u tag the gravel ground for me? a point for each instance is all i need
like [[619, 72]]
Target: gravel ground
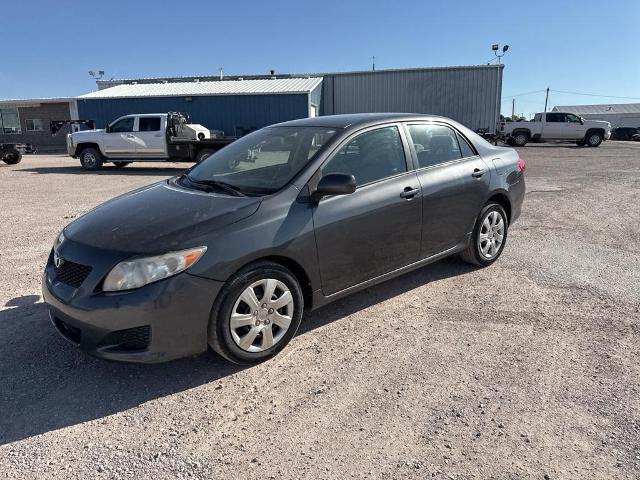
[[526, 369]]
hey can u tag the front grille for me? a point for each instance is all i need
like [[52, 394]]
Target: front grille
[[72, 273], [70, 332], [137, 338]]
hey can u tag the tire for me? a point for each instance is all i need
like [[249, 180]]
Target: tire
[[203, 154], [120, 164], [474, 252], [594, 139], [245, 344], [91, 159], [12, 157], [520, 139]]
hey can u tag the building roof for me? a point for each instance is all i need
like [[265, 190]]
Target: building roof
[[27, 102], [603, 109], [220, 87]]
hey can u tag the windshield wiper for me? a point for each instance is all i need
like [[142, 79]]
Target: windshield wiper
[[227, 187]]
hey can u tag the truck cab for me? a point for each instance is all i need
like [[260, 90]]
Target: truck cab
[[144, 137]]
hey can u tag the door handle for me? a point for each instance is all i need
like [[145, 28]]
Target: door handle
[[478, 172], [409, 193]]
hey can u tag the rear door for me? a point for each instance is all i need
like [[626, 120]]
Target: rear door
[[120, 139], [454, 181], [376, 229], [554, 126], [150, 141]]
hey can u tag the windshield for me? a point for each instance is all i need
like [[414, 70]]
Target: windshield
[[263, 161]]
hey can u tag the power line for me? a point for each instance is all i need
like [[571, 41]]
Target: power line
[[595, 95], [526, 93]]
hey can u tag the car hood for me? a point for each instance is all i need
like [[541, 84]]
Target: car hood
[[159, 218], [602, 123]]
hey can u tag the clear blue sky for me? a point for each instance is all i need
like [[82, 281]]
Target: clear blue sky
[[578, 46]]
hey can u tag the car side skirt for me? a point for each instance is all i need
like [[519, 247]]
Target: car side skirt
[[320, 300]]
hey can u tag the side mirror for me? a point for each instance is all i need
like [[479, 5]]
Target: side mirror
[[581, 121], [334, 184], [107, 129]]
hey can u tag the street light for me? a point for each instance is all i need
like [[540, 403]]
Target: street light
[[496, 49]]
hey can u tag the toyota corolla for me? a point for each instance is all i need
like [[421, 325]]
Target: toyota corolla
[[284, 220]]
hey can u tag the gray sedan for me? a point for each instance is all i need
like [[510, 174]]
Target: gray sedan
[[286, 219]]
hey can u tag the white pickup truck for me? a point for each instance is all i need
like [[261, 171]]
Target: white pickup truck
[[555, 126], [150, 137]]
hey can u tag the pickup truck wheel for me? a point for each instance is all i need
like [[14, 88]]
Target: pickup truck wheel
[[120, 164], [520, 139], [13, 157], [594, 139], [91, 159], [203, 154]]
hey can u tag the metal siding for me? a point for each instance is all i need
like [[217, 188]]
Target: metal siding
[[466, 94], [227, 113]]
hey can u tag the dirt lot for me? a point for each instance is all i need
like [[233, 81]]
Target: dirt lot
[[527, 369]]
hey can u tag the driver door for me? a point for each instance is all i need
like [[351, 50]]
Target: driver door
[[376, 229], [120, 139]]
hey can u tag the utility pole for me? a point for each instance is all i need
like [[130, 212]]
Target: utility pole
[[546, 100], [373, 63], [513, 107], [495, 47]]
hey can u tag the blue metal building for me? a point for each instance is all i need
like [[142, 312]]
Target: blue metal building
[[233, 106]]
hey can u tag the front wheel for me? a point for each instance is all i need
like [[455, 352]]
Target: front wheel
[[91, 159], [594, 139], [256, 314], [489, 236]]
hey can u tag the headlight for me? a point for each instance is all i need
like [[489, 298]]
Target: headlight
[[141, 271]]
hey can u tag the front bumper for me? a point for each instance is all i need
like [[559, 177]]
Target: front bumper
[[155, 323]]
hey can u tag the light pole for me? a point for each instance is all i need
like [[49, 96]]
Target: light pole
[[496, 50]]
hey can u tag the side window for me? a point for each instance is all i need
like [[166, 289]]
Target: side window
[[124, 125], [434, 144], [538, 117], [572, 118], [555, 117], [370, 156], [466, 149], [149, 124]]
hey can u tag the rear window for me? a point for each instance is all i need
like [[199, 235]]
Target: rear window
[[149, 124]]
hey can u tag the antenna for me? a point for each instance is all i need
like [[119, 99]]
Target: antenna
[[373, 63], [96, 74]]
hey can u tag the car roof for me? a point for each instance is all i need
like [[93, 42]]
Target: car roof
[[356, 120]]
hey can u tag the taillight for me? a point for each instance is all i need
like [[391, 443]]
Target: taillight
[[521, 165]]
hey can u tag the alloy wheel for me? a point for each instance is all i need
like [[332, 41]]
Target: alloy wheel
[[491, 235], [261, 315], [89, 159]]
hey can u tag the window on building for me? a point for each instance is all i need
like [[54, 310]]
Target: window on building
[[149, 124], [9, 120], [370, 156], [434, 144], [34, 124]]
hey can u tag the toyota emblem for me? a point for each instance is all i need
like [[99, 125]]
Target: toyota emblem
[[57, 259]]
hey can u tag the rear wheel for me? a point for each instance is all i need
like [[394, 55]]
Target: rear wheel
[[203, 154], [256, 314], [12, 157], [91, 159], [120, 164], [489, 236], [520, 139], [594, 139]]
